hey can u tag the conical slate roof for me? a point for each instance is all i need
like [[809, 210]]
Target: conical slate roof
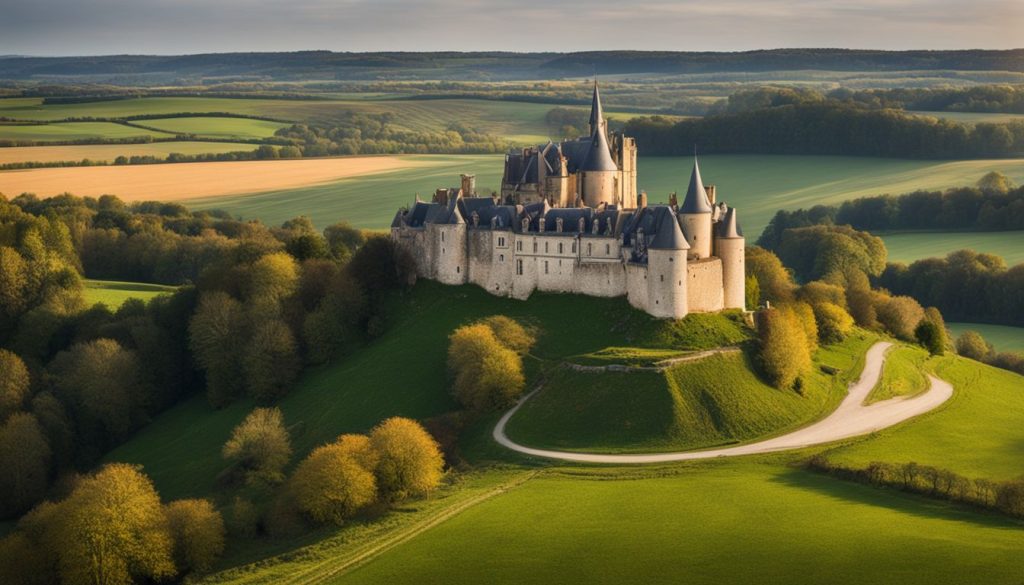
[[696, 198], [730, 226], [596, 112], [669, 235], [454, 215], [599, 156]]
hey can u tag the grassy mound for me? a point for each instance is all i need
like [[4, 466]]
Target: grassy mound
[[714, 401], [902, 375], [978, 433]]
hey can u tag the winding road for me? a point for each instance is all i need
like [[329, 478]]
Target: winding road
[[852, 418]]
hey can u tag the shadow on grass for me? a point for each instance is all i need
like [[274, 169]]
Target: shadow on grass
[[895, 500]]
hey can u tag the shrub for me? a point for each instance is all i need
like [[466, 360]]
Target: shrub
[[834, 323], [931, 337], [783, 348], [260, 445], [486, 373], [410, 461], [973, 346], [197, 530], [900, 316]]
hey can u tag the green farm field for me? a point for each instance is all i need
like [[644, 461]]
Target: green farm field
[[113, 293], [907, 247], [74, 131], [1004, 338], [227, 128], [109, 152], [972, 117]]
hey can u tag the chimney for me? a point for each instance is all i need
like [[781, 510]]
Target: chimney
[[558, 224], [540, 224], [641, 200], [710, 190], [468, 185]]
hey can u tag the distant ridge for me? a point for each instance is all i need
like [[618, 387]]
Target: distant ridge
[[491, 65]]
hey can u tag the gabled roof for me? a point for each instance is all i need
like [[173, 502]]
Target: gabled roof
[[599, 157], [730, 226], [669, 236], [696, 198]]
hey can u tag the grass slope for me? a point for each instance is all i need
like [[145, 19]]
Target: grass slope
[[401, 373], [1003, 337], [978, 433], [113, 293], [902, 375], [714, 401], [726, 522]]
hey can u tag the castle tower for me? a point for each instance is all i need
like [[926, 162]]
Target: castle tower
[[451, 260], [666, 269], [730, 244], [599, 174], [696, 216]]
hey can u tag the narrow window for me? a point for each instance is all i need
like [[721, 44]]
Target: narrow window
[[545, 247], [607, 248], [574, 247], [560, 248], [519, 267], [535, 246], [545, 267], [458, 270], [590, 249], [442, 236], [519, 246], [662, 278], [501, 258]]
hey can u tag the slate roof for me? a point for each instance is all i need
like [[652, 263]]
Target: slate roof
[[669, 235], [599, 156], [596, 112], [730, 226], [696, 198]]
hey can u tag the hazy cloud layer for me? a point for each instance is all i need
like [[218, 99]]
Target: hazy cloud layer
[[63, 27]]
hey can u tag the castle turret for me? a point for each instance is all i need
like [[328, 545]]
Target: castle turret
[[695, 214], [599, 173], [450, 245], [666, 269], [730, 245]]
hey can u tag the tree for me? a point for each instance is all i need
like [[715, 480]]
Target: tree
[[14, 280], [112, 530], [752, 293], [260, 445], [272, 278], [343, 239], [816, 292], [197, 531], [774, 280], [931, 337], [271, 360], [834, 323], [410, 461], [510, 333], [216, 337], [995, 181], [804, 315], [332, 483], [25, 460], [973, 346], [104, 381], [14, 383], [486, 373], [900, 316], [783, 349]]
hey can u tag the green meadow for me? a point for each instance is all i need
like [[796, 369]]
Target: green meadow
[[109, 152], [907, 247], [113, 294], [1003, 337], [225, 128], [74, 131], [972, 117], [902, 375]]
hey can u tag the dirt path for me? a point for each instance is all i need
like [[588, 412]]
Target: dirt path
[[852, 418]]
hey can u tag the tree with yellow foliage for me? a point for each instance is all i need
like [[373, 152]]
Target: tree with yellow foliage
[[197, 529], [260, 445], [332, 483], [783, 347], [410, 461], [486, 374]]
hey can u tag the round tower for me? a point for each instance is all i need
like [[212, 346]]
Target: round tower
[[695, 213], [599, 175], [731, 245], [451, 259], [666, 269]]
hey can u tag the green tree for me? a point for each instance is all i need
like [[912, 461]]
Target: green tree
[[931, 337], [782, 347], [217, 334], [272, 278], [260, 446], [25, 458], [197, 531], [271, 360], [14, 383], [410, 461], [752, 293], [973, 346], [834, 323], [343, 239], [900, 316], [774, 280], [112, 530]]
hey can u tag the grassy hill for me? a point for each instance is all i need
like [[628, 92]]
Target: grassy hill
[[710, 402], [902, 375], [113, 294]]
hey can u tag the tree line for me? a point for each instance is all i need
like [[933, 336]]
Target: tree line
[[994, 204]]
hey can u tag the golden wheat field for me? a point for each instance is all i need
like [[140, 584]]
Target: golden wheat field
[[108, 152], [174, 182]]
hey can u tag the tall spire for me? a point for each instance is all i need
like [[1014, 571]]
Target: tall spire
[[696, 197], [596, 112]]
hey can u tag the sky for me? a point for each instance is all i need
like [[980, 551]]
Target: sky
[[98, 27]]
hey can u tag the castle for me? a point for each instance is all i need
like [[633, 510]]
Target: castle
[[569, 219]]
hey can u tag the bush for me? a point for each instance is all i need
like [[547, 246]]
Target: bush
[[973, 346], [834, 323], [198, 533], [931, 337], [900, 316], [260, 446], [783, 347], [410, 461], [486, 374]]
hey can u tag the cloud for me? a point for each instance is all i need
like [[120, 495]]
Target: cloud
[[52, 27]]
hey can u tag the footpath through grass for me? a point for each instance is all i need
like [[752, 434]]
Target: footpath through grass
[[902, 375]]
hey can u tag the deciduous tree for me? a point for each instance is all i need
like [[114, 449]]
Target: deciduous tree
[[410, 462], [260, 445], [197, 531]]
